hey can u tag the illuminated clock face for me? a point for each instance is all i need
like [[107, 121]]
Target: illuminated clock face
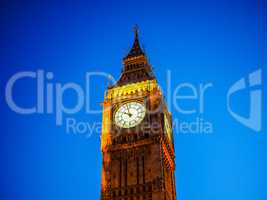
[[130, 115]]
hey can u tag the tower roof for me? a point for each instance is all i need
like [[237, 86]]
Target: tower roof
[[136, 49], [136, 66]]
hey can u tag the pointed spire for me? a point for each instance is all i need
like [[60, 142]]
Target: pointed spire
[[136, 31], [136, 67], [136, 49]]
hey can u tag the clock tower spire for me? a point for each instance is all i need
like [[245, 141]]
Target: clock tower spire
[[136, 48], [136, 67], [137, 139]]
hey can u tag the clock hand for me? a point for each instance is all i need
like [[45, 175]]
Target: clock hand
[[129, 113], [127, 106]]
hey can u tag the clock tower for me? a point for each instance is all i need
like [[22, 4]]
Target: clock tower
[[137, 140]]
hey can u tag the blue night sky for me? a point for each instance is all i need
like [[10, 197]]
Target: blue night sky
[[215, 42]]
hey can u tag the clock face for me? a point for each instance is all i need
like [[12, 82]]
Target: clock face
[[130, 114]]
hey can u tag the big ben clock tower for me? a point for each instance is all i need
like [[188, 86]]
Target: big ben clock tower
[[137, 140]]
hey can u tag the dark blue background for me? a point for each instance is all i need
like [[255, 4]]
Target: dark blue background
[[199, 41]]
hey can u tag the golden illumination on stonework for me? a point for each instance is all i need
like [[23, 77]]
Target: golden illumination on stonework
[[143, 87]]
